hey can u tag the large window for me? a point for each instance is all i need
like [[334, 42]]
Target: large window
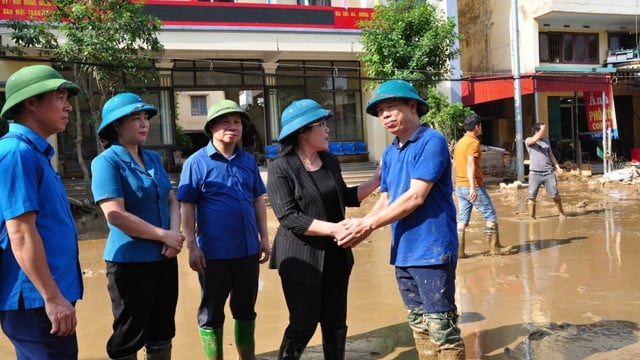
[[568, 48], [333, 84], [208, 73]]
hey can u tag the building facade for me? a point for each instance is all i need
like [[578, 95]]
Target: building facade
[[570, 53], [262, 54]]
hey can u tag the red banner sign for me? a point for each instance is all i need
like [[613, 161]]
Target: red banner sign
[[179, 13], [349, 18], [24, 9], [593, 106]]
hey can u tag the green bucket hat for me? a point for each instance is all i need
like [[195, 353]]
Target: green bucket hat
[[224, 107], [396, 89], [31, 81]]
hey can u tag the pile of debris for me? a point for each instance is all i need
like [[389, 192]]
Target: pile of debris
[[630, 174]]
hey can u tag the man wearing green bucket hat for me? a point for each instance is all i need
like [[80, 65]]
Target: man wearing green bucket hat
[[416, 199], [40, 278], [221, 195]]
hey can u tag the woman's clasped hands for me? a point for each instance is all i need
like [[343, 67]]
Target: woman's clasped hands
[[172, 243]]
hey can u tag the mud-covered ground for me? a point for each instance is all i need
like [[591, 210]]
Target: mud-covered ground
[[571, 292]]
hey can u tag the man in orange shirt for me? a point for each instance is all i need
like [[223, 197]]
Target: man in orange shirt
[[470, 189]]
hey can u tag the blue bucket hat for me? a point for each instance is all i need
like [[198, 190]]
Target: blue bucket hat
[[396, 89], [118, 107], [299, 114]]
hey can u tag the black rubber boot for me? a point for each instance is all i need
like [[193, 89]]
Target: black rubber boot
[[290, 350], [333, 343], [158, 350]]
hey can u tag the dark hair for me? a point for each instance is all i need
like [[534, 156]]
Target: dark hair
[[288, 145], [471, 120], [535, 128], [109, 134]]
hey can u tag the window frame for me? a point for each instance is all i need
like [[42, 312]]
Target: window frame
[[553, 47], [198, 105]]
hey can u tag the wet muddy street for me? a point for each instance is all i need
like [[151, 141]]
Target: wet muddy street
[[571, 292]]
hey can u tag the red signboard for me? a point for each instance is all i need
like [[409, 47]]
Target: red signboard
[[593, 106], [198, 14], [349, 18], [24, 9]]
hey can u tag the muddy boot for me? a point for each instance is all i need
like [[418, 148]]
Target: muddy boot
[[211, 340], [531, 207], [245, 341], [290, 350], [158, 350], [426, 349], [492, 235], [452, 354], [558, 203], [444, 328], [461, 238], [333, 343]]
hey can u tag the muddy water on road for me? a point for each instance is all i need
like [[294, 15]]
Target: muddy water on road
[[571, 292]]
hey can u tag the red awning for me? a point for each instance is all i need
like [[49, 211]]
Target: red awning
[[572, 82], [479, 90]]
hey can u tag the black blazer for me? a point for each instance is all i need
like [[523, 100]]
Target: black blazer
[[296, 202]]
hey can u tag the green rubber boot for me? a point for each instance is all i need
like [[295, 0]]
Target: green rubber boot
[[243, 331], [211, 340]]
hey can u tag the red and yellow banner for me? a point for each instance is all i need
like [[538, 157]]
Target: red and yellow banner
[[24, 9], [593, 105], [197, 13]]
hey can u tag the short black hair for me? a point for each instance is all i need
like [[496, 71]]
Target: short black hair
[[471, 120], [535, 128]]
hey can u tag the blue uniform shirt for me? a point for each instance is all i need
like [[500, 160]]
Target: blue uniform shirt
[[145, 192], [428, 235], [224, 191], [29, 183]]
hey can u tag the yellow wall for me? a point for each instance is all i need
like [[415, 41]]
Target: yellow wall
[[187, 121]]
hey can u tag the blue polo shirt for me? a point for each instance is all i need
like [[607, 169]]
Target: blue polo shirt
[[224, 191], [146, 195], [428, 235], [29, 183]]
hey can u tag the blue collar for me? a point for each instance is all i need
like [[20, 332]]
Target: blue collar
[[415, 136], [211, 150], [40, 143]]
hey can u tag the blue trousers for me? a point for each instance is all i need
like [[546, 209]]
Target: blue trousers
[[428, 293], [28, 331]]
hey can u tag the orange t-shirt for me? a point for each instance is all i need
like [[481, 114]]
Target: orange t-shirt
[[469, 145]]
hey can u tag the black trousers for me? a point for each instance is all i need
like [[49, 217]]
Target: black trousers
[[324, 304], [234, 278], [143, 301]]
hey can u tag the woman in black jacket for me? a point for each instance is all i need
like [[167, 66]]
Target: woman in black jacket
[[308, 196]]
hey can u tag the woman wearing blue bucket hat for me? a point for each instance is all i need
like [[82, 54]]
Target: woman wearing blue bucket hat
[[135, 194], [308, 196]]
